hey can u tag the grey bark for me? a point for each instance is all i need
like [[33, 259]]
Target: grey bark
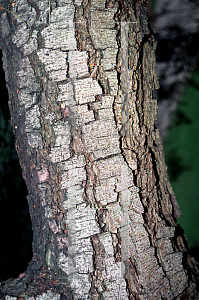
[[103, 211]]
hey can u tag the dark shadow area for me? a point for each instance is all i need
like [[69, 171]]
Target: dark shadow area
[[15, 223], [181, 118], [195, 253], [176, 165], [179, 48]]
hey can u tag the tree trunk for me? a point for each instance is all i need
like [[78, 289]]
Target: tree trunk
[[80, 78]]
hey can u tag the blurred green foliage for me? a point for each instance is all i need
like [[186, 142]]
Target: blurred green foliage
[[181, 149], [153, 2]]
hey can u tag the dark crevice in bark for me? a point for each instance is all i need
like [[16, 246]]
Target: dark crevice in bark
[[140, 82], [7, 5], [180, 243], [35, 6], [90, 185], [98, 262], [85, 43], [156, 174], [40, 40]]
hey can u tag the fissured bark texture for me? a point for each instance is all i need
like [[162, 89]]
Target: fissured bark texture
[[80, 76]]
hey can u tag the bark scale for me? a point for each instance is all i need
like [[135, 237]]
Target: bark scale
[[80, 78]]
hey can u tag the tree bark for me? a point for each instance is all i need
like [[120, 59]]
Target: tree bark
[[80, 78]]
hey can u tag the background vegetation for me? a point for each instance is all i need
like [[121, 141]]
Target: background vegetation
[[181, 148]]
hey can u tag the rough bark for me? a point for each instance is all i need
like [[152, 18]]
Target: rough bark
[[102, 208]]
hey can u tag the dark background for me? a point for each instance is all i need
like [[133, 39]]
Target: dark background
[[15, 223]]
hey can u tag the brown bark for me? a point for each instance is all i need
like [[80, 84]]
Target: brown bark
[[102, 208]]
